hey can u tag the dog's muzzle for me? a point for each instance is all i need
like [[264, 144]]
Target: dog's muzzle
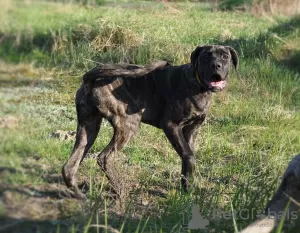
[[218, 85], [216, 82]]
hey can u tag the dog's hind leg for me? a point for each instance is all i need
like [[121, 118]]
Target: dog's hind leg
[[124, 129], [87, 130]]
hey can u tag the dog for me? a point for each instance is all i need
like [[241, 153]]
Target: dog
[[175, 99]]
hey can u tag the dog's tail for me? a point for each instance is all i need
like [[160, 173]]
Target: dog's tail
[[89, 79]]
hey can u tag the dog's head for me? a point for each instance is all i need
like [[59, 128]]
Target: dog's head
[[212, 65]]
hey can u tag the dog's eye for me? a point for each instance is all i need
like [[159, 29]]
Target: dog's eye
[[225, 56]]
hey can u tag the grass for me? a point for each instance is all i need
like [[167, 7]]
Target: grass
[[250, 135], [260, 7]]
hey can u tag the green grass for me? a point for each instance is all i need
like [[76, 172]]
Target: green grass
[[249, 137], [72, 36]]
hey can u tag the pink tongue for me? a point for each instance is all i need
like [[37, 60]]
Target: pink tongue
[[220, 84]]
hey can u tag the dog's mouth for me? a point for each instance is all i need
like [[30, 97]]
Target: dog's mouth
[[217, 83]]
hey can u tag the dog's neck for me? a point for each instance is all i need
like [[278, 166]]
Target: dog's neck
[[197, 75], [194, 80]]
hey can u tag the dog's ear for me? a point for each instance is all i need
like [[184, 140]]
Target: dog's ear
[[234, 57], [196, 53]]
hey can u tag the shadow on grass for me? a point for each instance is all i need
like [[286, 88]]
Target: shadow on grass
[[44, 208], [264, 45], [292, 61], [287, 28], [46, 212], [15, 225], [49, 208]]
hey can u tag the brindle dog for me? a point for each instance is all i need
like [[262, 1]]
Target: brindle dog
[[175, 99]]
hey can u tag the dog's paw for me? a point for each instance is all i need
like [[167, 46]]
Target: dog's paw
[[73, 193]]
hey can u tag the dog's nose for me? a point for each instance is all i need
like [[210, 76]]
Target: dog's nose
[[216, 65]]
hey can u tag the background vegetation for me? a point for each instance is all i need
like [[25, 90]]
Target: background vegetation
[[244, 146]]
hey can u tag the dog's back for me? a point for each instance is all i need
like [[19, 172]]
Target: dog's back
[[121, 70], [122, 89]]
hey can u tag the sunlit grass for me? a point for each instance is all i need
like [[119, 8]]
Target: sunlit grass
[[251, 133]]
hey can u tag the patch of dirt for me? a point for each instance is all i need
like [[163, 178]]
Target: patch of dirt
[[64, 135], [42, 202], [9, 121], [41, 208], [17, 70]]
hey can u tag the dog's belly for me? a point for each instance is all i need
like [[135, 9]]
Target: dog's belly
[[152, 114], [153, 120]]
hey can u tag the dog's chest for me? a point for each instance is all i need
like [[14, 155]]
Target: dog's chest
[[199, 106], [194, 107], [200, 103]]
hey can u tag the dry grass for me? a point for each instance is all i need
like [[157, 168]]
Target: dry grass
[[16, 70], [282, 7], [112, 36], [5, 6]]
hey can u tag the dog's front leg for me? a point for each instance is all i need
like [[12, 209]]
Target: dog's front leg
[[190, 131], [175, 135]]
